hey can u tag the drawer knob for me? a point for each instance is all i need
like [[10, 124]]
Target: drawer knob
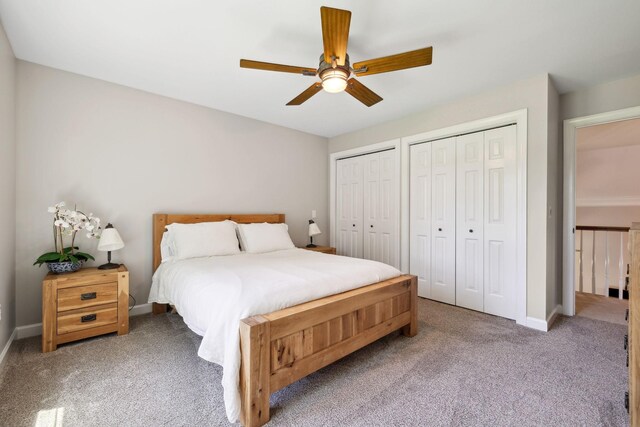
[[88, 295], [88, 318]]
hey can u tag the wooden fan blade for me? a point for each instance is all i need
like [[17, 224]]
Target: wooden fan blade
[[335, 33], [308, 93], [247, 63], [362, 93], [415, 58]]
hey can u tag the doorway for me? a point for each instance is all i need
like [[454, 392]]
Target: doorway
[[601, 155]]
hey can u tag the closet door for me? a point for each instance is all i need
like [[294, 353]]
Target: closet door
[[500, 176], [371, 212], [380, 216], [420, 216], [469, 221], [443, 220], [349, 196]]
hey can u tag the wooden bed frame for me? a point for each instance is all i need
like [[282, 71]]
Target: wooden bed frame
[[282, 347]]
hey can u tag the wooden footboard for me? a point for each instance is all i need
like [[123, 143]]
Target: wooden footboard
[[282, 347]]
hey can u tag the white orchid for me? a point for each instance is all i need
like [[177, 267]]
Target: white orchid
[[61, 223], [67, 222]]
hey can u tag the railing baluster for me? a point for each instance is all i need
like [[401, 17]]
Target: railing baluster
[[593, 263], [621, 268], [606, 263], [581, 264]]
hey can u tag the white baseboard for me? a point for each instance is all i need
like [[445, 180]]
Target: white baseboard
[[537, 324], [544, 325], [141, 309], [28, 331], [553, 316], [35, 329], [5, 350]]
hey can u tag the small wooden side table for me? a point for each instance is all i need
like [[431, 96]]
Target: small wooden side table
[[323, 249], [84, 304]]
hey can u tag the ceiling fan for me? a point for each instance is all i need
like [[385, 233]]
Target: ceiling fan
[[335, 71]]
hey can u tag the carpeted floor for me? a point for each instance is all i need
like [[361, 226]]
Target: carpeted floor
[[463, 369], [600, 307]]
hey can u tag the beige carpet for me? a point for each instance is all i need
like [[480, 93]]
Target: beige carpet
[[600, 307], [463, 369]]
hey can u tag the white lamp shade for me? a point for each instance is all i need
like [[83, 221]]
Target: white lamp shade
[[314, 230], [110, 240]]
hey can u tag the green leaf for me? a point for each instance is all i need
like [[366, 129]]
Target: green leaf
[[69, 249], [72, 258], [48, 257], [84, 256]]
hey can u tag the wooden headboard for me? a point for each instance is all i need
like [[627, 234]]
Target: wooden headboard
[[160, 221]]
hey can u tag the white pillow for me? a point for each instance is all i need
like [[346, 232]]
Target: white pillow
[[203, 239], [166, 247], [265, 237]]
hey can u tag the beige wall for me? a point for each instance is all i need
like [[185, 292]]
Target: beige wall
[[532, 94], [607, 216], [125, 154], [606, 177], [554, 200], [7, 189], [601, 98]]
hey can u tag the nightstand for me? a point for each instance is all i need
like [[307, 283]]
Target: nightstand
[[84, 304], [323, 249]]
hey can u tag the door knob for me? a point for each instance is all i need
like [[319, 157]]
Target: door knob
[[439, 229], [354, 225], [471, 230], [371, 226]]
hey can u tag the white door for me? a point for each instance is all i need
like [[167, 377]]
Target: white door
[[500, 173], [371, 211], [469, 221], [387, 226], [443, 220], [420, 216], [349, 207], [380, 213]]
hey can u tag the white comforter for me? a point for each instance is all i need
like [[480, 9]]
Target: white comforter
[[212, 295]]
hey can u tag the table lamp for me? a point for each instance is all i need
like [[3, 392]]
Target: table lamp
[[109, 241], [313, 231]]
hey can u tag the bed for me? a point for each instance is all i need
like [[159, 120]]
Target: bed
[[280, 347]]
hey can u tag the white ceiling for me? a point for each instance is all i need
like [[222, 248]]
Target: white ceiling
[[190, 49], [609, 135]]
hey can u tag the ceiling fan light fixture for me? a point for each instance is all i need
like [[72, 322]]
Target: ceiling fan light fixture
[[334, 80]]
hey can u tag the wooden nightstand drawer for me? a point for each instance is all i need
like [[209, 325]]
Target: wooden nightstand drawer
[[86, 318], [83, 304], [87, 296]]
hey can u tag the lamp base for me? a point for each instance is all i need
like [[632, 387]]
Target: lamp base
[[108, 266], [311, 245]]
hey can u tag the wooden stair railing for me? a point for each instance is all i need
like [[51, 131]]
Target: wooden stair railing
[[633, 339], [616, 291]]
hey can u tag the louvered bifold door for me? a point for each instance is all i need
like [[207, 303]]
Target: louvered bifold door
[[349, 183], [420, 217], [470, 221]]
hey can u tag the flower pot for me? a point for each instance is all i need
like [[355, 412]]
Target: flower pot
[[64, 266]]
